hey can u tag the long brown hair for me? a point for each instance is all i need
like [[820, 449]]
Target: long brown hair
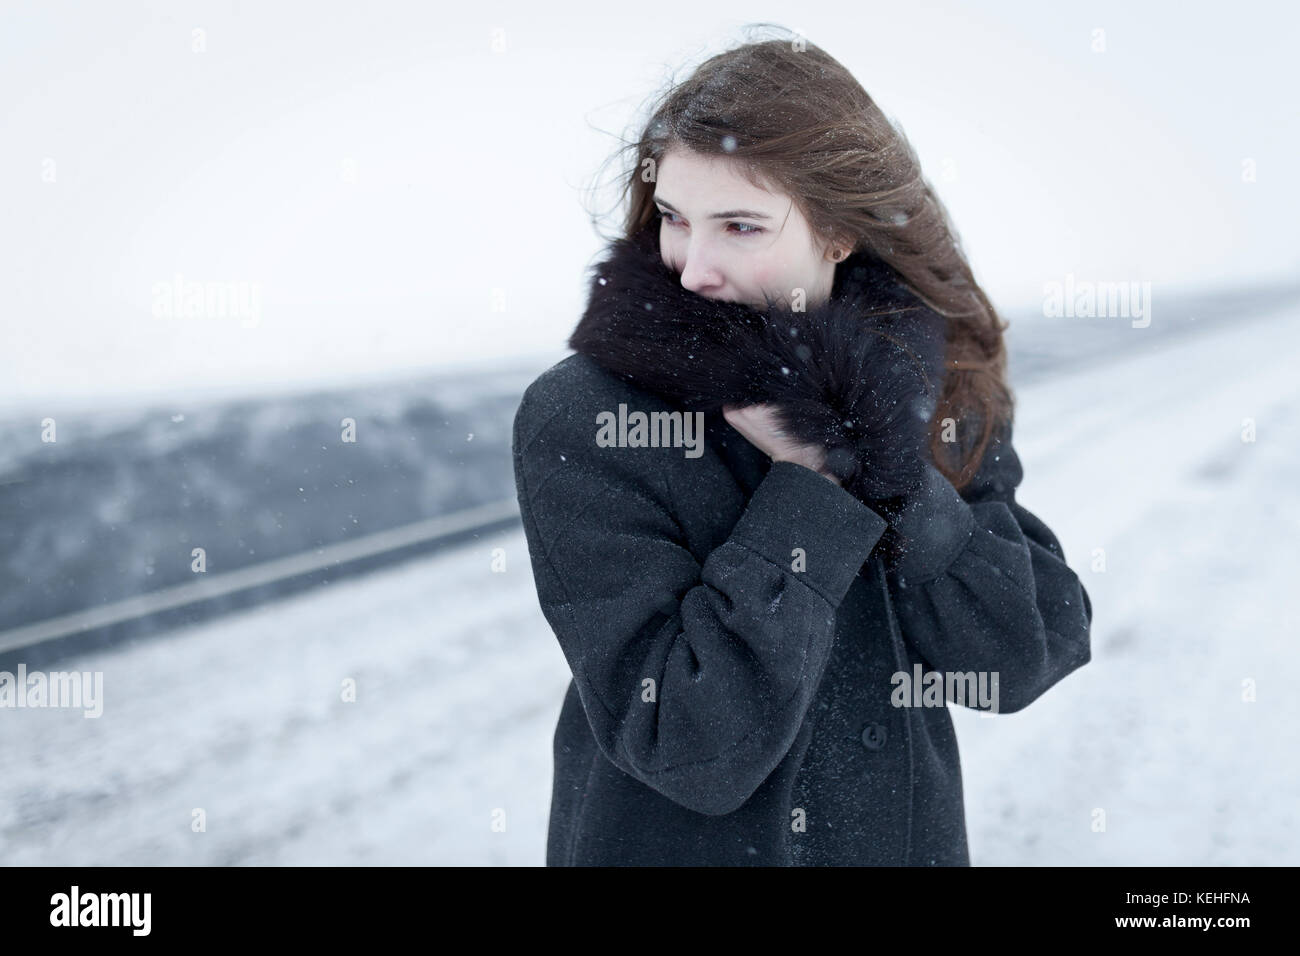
[[792, 116]]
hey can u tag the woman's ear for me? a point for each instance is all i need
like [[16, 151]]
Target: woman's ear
[[837, 250]]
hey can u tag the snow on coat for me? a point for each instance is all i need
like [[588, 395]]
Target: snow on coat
[[744, 647]]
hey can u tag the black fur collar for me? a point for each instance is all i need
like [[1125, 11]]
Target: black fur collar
[[860, 373]]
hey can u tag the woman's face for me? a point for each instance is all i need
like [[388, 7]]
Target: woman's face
[[732, 241]]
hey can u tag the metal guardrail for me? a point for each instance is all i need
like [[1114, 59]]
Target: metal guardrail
[[266, 572]]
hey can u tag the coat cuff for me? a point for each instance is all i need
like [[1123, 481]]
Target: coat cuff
[[795, 507], [933, 527]]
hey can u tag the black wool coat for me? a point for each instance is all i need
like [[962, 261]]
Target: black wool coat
[[735, 625]]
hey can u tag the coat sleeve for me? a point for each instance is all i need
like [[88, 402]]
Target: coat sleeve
[[735, 644], [982, 584]]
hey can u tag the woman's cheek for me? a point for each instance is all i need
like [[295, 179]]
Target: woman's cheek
[[668, 248], [774, 285]]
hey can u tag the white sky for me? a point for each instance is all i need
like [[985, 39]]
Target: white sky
[[470, 166]]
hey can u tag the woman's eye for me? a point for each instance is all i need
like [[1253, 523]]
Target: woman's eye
[[743, 228]]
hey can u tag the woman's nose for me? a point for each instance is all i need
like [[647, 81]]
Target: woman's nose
[[700, 274]]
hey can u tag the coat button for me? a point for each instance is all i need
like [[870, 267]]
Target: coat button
[[873, 738]]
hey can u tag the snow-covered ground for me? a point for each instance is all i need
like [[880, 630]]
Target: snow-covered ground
[[459, 680], [1145, 459]]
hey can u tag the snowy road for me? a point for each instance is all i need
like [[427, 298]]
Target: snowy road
[[459, 680]]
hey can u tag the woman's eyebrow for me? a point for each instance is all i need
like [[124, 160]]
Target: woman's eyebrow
[[728, 214]]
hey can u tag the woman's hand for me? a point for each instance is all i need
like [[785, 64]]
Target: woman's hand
[[758, 424]]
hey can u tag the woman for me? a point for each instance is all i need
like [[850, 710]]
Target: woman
[[757, 629]]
